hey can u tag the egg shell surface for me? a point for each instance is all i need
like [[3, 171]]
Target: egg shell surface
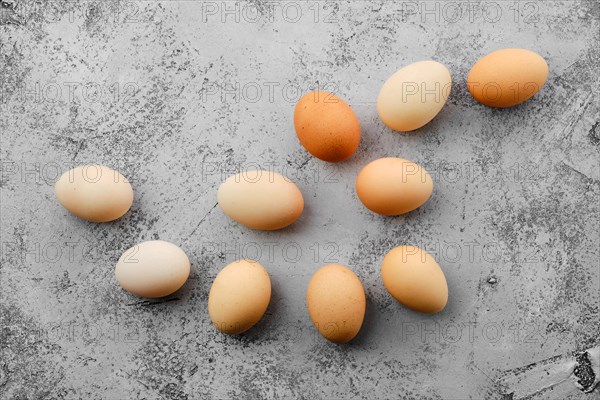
[[326, 126], [94, 192], [414, 95], [415, 279], [239, 296], [153, 269], [262, 200], [336, 303], [393, 186], [505, 78]]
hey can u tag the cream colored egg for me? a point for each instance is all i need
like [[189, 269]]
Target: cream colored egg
[[262, 200], [153, 269], [239, 296], [336, 303], [414, 95], [414, 278], [94, 192], [393, 186]]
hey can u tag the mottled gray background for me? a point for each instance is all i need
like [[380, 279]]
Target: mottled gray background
[[177, 95]]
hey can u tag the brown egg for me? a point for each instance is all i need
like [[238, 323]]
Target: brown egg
[[239, 296], [336, 303], [393, 186], [505, 78], [414, 278], [326, 126]]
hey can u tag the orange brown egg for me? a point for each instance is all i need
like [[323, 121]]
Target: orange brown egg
[[413, 277], [326, 126], [505, 78], [336, 303]]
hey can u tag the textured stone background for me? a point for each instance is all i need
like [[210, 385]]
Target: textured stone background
[[177, 95]]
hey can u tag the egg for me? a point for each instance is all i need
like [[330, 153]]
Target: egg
[[336, 303], [239, 296], [414, 278], [326, 126], [153, 269], [393, 186], [414, 95], [262, 200], [94, 192], [505, 78]]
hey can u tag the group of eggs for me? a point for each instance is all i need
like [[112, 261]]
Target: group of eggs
[[327, 127]]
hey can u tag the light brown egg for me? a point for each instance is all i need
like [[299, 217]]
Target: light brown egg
[[414, 278], [393, 186], [94, 192], [153, 269], [505, 78], [239, 296], [262, 200], [336, 303], [326, 126], [414, 95]]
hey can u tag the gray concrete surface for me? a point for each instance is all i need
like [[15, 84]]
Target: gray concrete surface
[[179, 94]]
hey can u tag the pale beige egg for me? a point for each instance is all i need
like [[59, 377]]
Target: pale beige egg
[[414, 95], [94, 192], [153, 269], [414, 278], [336, 303], [393, 186], [239, 296], [262, 200]]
